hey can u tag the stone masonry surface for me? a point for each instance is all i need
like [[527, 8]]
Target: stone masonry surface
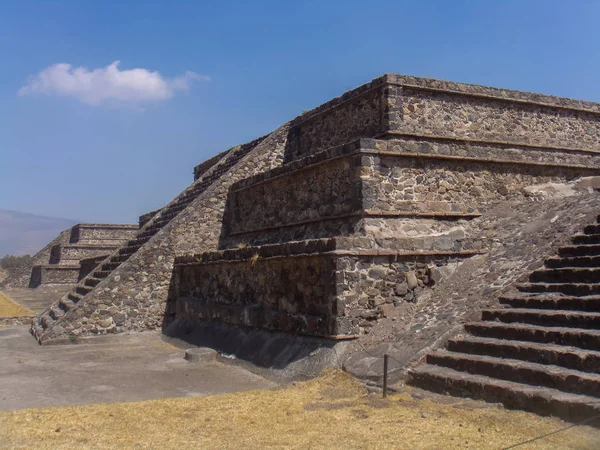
[[393, 170], [135, 296], [399, 105]]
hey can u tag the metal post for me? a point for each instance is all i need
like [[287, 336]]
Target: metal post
[[385, 371]]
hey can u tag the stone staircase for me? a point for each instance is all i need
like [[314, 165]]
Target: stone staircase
[[158, 222], [540, 351]]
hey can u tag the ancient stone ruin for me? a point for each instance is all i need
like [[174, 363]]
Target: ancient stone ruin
[[327, 224], [88, 245]]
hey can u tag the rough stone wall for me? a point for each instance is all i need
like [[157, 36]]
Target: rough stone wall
[[134, 296], [334, 192], [307, 287], [477, 114], [72, 254], [294, 295], [97, 233], [22, 276], [488, 151], [53, 274], [396, 105], [369, 287], [357, 113], [320, 191], [439, 185]]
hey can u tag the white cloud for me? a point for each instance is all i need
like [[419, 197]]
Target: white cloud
[[108, 84]]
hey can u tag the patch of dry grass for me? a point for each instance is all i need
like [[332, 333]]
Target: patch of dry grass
[[332, 411], [8, 308]]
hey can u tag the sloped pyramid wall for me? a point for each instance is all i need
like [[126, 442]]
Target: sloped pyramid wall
[[135, 295]]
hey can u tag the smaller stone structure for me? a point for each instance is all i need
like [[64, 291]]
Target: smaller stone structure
[[88, 242]]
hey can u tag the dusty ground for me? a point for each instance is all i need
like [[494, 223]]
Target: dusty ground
[[118, 368], [9, 308], [37, 300], [330, 412]]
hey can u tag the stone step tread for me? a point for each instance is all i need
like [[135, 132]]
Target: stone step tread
[[56, 312], [573, 261], [530, 372], [546, 296], [592, 229], [573, 353], [542, 312], [74, 296], [579, 250], [557, 302], [576, 289], [581, 270], [512, 394], [585, 238], [585, 338], [91, 246], [542, 284]]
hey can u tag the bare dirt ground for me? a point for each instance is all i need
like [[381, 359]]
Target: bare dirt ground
[[332, 411], [9, 308], [118, 368], [37, 300]]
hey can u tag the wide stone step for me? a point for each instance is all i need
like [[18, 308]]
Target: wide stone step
[[92, 281], [74, 297], [109, 266], [178, 207], [592, 229], [566, 275], [586, 239], [558, 355], [46, 320], [138, 242], [148, 233], [571, 289], [541, 400], [554, 377], [119, 259], [129, 250], [549, 318], [101, 274], [56, 312], [552, 301], [576, 261], [575, 337], [579, 250], [83, 290]]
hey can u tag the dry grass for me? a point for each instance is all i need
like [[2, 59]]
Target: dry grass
[[330, 412], [8, 308]]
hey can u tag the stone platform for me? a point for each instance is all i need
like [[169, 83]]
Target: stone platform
[[392, 170], [86, 240]]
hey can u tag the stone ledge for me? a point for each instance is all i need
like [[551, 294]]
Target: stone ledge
[[477, 90], [364, 146], [368, 213], [451, 87], [333, 246], [107, 225]]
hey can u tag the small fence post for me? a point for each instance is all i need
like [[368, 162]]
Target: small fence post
[[385, 375]]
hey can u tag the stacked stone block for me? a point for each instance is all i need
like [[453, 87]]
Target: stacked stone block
[[86, 241], [370, 200], [386, 174]]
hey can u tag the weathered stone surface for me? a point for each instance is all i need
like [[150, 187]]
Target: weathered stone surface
[[388, 176]]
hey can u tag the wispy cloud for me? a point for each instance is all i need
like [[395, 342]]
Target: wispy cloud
[[108, 85]]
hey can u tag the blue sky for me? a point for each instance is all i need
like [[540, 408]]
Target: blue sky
[[94, 154]]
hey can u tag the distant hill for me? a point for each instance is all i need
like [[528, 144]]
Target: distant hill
[[22, 233]]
